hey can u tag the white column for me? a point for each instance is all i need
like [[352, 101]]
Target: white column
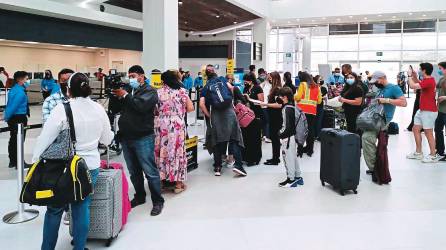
[[306, 54], [260, 34], [160, 35]]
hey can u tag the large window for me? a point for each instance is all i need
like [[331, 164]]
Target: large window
[[361, 44]]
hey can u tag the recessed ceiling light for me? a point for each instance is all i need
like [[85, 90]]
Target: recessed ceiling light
[[312, 21], [298, 19], [394, 17], [185, 22], [1, 39], [235, 22], [380, 15], [289, 22], [67, 45], [424, 15], [92, 47], [217, 16], [29, 42], [180, 2], [410, 14], [338, 19], [350, 16], [324, 18], [365, 18]]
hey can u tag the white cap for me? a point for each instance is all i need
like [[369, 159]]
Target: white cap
[[376, 75]]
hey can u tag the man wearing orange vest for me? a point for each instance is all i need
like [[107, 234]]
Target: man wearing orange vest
[[307, 98]]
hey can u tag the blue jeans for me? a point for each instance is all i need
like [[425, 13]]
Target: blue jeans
[[140, 158], [80, 214], [266, 123]]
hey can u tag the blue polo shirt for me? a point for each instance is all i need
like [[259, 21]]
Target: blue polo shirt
[[17, 102], [391, 91]]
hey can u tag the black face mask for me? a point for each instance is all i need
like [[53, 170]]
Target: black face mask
[[47, 76], [379, 85], [279, 100]]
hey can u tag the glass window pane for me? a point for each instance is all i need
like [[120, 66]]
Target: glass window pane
[[272, 46], [375, 42], [343, 29], [419, 26], [343, 43], [419, 56], [442, 55], [442, 34], [286, 42], [380, 28], [419, 41], [342, 57], [319, 43], [318, 58]]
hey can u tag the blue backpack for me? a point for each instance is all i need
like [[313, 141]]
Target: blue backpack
[[218, 95]]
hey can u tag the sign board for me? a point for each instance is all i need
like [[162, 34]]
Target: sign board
[[379, 53], [230, 66], [192, 153], [156, 80]]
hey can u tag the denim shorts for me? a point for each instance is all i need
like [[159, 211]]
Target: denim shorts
[[425, 119]]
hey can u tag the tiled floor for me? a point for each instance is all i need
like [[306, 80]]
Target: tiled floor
[[254, 214]]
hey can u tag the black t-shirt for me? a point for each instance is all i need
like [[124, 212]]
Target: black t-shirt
[[352, 93], [254, 95], [275, 115]]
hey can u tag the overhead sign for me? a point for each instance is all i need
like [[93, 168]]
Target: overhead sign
[[156, 80]]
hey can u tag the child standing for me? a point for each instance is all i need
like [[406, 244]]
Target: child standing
[[289, 145]]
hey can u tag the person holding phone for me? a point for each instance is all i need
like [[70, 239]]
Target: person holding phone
[[426, 116]]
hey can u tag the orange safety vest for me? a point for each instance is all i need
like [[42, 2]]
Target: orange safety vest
[[308, 103]]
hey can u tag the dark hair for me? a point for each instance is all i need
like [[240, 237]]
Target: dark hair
[[79, 85], [348, 87], [316, 78], [337, 69], [428, 67], [252, 68], [442, 64], [250, 77], [136, 69], [19, 75], [288, 92], [2, 68], [65, 71], [287, 78], [347, 66], [51, 73], [276, 84], [170, 78], [261, 71], [306, 77]]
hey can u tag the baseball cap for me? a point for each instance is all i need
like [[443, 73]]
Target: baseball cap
[[376, 75]]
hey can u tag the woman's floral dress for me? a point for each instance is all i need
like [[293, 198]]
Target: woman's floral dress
[[170, 130]]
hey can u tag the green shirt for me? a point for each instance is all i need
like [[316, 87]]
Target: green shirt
[[442, 92]]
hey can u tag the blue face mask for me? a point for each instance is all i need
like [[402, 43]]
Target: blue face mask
[[440, 72], [134, 83], [350, 81], [27, 83]]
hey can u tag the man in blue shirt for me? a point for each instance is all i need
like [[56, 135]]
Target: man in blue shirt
[[198, 83], [336, 78], [187, 81], [391, 96], [17, 111]]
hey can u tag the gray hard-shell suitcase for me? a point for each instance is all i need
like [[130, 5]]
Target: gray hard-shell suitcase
[[340, 159], [106, 206]]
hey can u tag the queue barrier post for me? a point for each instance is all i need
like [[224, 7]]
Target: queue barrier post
[[22, 214], [197, 109]]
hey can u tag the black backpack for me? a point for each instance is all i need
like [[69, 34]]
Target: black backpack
[[58, 182]]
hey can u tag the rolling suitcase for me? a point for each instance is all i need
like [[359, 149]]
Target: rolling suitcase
[[340, 159], [329, 120], [105, 207]]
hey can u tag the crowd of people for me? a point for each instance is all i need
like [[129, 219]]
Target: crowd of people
[[153, 126]]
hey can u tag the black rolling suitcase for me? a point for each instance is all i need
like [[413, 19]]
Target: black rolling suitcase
[[328, 120], [340, 159]]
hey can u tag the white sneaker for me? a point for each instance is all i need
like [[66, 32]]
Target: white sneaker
[[66, 219], [267, 140], [415, 156], [431, 158], [230, 164]]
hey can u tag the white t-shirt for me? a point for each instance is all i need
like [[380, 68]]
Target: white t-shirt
[[266, 86]]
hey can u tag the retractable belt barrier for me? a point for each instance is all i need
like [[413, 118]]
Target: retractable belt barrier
[[22, 214]]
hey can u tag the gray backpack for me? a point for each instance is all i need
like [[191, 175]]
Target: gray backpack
[[301, 126]]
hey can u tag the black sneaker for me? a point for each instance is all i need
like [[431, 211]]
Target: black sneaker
[[217, 171], [136, 202], [12, 165], [239, 171], [369, 172], [286, 183], [272, 163], [157, 209]]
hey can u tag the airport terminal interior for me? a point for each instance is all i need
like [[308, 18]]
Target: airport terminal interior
[[367, 183]]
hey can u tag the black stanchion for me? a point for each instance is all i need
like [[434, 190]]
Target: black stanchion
[[22, 214]]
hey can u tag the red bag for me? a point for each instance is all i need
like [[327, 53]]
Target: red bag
[[126, 206], [244, 115], [382, 173]]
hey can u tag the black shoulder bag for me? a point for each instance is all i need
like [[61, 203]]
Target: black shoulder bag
[[58, 182]]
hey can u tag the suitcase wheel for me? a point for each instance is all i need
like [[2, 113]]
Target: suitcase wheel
[[342, 192], [355, 192], [323, 183], [108, 242]]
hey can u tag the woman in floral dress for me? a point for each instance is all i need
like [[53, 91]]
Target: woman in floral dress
[[170, 129]]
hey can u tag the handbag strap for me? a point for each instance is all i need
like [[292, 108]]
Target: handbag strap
[[69, 114]]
